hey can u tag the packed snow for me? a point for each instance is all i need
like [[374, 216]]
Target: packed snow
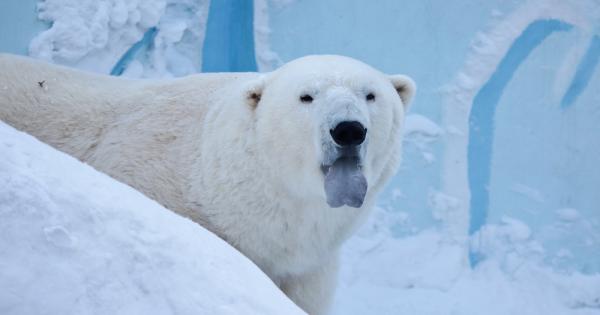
[[75, 241]]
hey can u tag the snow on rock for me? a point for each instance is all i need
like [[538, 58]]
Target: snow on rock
[[94, 34], [100, 30], [75, 241]]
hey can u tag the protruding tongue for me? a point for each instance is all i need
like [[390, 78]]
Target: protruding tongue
[[345, 184]]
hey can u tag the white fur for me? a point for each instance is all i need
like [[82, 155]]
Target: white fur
[[206, 147]]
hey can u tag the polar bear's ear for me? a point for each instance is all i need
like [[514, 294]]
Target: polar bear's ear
[[405, 87], [253, 92]]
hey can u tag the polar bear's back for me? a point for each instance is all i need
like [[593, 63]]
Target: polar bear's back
[[56, 103], [139, 131], [69, 109]]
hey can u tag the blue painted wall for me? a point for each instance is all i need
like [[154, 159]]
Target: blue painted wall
[[585, 71], [545, 156], [482, 119], [132, 53], [18, 25], [229, 42]]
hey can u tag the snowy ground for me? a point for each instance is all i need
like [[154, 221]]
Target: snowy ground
[[75, 241], [428, 273]]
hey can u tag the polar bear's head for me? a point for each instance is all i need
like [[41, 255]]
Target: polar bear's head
[[330, 126]]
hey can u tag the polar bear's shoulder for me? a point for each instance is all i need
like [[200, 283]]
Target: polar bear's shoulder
[[21, 69], [25, 69]]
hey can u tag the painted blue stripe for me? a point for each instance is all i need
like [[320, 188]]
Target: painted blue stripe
[[229, 41], [145, 43], [481, 120], [584, 72]]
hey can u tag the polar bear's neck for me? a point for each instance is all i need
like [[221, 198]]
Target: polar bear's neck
[[234, 193]]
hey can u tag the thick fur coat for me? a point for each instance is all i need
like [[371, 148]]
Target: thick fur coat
[[245, 155]]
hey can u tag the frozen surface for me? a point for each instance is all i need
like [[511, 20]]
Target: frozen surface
[[75, 241]]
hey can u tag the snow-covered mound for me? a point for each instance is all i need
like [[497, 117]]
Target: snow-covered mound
[[75, 241]]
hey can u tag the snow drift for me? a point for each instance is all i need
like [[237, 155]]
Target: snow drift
[[75, 241]]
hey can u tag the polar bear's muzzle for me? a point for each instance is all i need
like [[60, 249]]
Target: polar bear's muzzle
[[345, 183]]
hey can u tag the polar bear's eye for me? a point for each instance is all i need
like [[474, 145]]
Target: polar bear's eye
[[305, 98], [370, 97]]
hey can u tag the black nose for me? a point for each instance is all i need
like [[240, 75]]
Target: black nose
[[349, 133]]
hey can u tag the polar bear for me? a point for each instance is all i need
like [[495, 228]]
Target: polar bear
[[282, 165]]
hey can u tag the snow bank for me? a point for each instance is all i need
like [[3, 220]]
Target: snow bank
[[75, 241], [428, 273]]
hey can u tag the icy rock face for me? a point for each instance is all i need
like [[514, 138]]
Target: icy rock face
[[75, 241], [94, 34]]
